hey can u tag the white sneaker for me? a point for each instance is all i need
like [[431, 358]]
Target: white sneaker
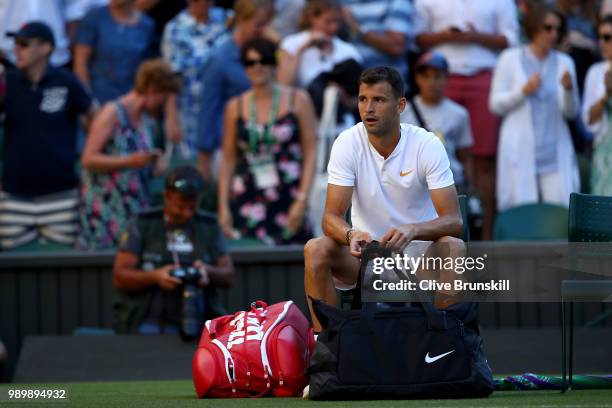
[[306, 392]]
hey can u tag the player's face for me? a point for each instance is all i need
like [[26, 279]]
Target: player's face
[[431, 83], [379, 108], [178, 209]]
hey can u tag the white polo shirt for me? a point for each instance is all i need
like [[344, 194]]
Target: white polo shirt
[[394, 191]]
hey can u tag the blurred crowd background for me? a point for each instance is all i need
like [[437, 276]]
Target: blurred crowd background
[[100, 98]]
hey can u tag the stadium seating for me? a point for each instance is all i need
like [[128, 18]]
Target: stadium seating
[[532, 222], [590, 220]]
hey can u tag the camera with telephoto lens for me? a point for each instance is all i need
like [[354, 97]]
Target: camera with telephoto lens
[[192, 313]]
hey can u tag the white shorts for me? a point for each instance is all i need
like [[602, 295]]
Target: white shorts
[[415, 249]]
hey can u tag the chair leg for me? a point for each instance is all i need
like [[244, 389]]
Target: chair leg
[[563, 358], [571, 342]]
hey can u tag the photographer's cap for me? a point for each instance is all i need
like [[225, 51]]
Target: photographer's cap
[[432, 59], [186, 180], [34, 29]]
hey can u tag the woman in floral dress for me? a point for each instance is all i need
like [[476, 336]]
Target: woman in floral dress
[[268, 156], [119, 155]]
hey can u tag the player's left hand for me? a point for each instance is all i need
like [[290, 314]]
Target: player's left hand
[[398, 238]]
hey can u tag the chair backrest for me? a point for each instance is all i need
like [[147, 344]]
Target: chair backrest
[[590, 218], [463, 206], [532, 222]]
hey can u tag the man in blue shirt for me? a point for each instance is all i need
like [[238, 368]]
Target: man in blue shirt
[[42, 108], [381, 31]]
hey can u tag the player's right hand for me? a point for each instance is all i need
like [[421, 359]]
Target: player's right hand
[[163, 278], [358, 240]]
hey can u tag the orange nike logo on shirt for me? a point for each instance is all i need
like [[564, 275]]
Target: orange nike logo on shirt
[[405, 173]]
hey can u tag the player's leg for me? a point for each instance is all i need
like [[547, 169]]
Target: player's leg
[[327, 265]]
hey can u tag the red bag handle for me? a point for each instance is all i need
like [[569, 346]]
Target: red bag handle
[[259, 307]]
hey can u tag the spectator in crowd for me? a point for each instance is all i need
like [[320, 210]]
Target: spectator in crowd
[[286, 17], [160, 240], [581, 39], [111, 43], [534, 90], [315, 57], [470, 35], [225, 77], [77, 10], [42, 106], [54, 13], [381, 30], [186, 45], [161, 11], [448, 120], [268, 156], [596, 111], [118, 156]]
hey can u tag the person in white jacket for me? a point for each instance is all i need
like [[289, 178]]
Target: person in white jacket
[[596, 111], [534, 91]]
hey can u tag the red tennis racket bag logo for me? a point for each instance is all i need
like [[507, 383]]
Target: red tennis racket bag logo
[[261, 352]]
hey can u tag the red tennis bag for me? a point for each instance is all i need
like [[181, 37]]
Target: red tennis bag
[[262, 352]]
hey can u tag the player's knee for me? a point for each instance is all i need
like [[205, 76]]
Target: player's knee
[[456, 246], [317, 251]]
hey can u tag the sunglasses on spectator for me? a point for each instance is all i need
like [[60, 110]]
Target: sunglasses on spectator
[[605, 37], [551, 27], [264, 61]]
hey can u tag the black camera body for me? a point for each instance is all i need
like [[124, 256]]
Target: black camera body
[[188, 275], [192, 313]]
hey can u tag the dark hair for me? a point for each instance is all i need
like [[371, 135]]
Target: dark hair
[[389, 75], [607, 19], [186, 181], [265, 48], [534, 19]]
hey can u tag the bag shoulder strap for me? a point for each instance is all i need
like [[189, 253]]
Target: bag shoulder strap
[[124, 120], [417, 114]]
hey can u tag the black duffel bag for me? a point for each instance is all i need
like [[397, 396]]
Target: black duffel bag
[[414, 351]]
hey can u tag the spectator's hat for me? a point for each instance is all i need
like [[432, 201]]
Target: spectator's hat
[[34, 29], [185, 180], [432, 60]]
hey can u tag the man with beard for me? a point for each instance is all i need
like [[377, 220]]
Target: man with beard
[[398, 182]]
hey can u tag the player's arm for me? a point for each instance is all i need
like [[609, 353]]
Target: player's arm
[[448, 223], [335, 225]]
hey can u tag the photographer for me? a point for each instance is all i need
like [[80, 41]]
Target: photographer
[[166, 252]]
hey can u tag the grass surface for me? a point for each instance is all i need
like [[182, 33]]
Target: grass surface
[[153, 394]]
